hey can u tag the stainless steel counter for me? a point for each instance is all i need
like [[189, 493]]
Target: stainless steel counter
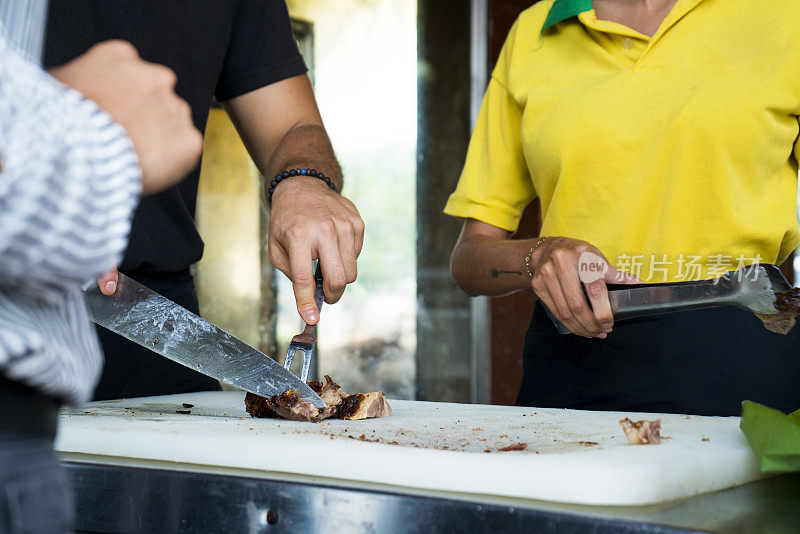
[[148, 498]]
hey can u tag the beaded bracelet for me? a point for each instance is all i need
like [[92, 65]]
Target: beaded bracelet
[[296, 172]]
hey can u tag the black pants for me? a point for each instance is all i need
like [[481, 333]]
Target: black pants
[[131, 370], [34, 493], [703, 362]]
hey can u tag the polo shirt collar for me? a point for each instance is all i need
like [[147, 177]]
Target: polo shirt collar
[[565, 9]]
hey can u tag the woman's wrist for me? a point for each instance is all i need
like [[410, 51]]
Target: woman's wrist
[[529, 258]]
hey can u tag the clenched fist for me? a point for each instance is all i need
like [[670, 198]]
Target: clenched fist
[[141, 97], [556, 281]]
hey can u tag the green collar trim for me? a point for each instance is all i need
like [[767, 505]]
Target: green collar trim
[[565, 9]]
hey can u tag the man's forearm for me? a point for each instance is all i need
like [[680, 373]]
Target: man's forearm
[[282, 130], [308, 147], [486, 265]]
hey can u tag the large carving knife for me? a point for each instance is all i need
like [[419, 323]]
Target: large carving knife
[[752, 288], [155, 322]]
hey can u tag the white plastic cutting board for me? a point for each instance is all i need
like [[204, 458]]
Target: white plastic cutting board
[[571, 456]]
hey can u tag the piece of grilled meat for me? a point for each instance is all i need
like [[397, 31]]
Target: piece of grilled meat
[[288, 405], [331, 394], [364, 406], [256, 406]]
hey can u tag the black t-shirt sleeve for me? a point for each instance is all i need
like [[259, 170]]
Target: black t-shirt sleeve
[[262, 49]]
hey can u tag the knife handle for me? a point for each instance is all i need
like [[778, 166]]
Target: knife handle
[[562, 329], [319, 293]]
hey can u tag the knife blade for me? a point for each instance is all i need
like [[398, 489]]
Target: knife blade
[[155, 322]]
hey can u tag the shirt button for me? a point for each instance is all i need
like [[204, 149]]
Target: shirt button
[[627, 44]]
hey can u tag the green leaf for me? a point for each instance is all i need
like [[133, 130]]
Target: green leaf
[[774, 437], [795, 416]]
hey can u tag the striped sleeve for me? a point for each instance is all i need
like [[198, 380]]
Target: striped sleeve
[[69, 182], [23, 25], [68, 186], [50, 347]]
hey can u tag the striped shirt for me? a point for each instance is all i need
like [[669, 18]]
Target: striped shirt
[[24, 23], [68, 186]]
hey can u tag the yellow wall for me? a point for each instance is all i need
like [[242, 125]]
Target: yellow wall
[[228, 204]]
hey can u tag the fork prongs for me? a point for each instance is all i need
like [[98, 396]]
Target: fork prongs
[[307, 354], [287, 362]]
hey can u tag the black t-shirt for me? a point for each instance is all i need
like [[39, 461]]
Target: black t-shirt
[[222, 48]]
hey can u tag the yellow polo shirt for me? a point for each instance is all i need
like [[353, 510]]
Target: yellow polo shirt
[[676, 155]]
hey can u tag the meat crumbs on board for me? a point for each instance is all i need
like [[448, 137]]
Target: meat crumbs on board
[[514, 447], [339, 405]]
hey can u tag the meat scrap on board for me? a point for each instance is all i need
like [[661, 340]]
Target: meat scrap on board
[[340, 405], [642, 432]]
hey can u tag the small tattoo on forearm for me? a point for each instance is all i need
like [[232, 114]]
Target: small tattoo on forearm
[[496, 273]]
